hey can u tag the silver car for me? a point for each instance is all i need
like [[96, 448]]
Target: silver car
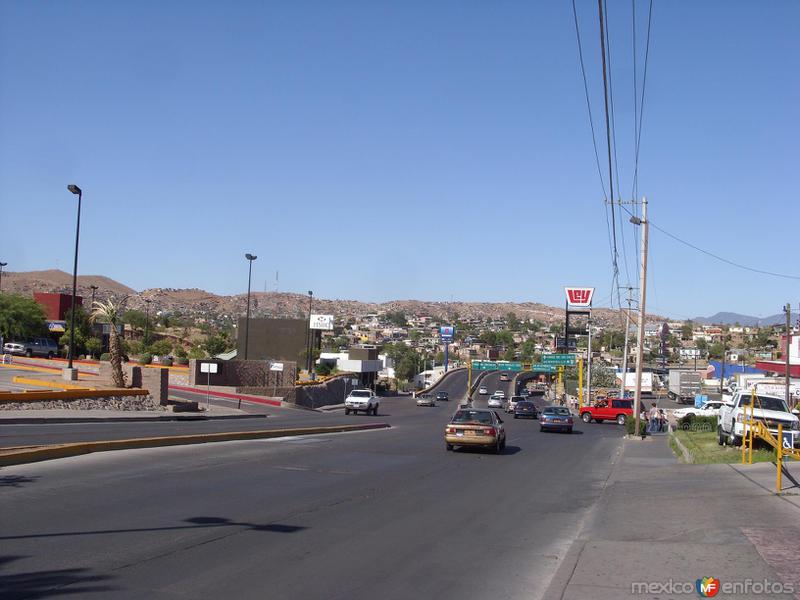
[[426, 400], [496, 401]]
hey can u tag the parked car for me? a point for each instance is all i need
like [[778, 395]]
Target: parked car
[[525, 408], [512, 402], [426, 400], [476, 427], [496, 401], [361, 400], [442, 396], [707, 409], [770, 410], [37, 347], [608, 409], [555, 418], [483, 390]]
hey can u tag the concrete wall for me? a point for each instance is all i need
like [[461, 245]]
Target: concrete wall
[[333, 391]]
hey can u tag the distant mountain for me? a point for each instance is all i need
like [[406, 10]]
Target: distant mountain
[[204, 304], [730, 318]]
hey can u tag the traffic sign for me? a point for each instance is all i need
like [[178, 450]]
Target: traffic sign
[[490, 365], [540, 368], [567, 360]]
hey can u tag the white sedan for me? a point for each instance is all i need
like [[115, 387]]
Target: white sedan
[[500, 394], [709, 409], [483, 391], [496, 401]]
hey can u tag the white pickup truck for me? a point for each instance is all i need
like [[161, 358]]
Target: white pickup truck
[[361, 400], [770, 410]]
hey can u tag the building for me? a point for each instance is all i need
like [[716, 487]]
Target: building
[[779, 366], [57, 308]]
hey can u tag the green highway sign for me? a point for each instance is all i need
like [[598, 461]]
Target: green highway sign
[[567, 360], [490, 365], [540, 368]]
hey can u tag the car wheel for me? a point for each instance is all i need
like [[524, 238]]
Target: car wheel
[[50, 356], [28, 353], [497, 449], [586, 417], [736, 440], [503, 445], [449, 447], [516, 416], [569, 430], [347, 411], [375, 410], [621, 419]]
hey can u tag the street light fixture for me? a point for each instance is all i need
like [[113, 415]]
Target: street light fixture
[[2, 264], [77, 191], [250, 258]]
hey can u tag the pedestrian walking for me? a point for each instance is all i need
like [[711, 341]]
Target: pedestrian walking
[[652, 416]]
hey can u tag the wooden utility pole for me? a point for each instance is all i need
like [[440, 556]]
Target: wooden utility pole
[[788, 310], [625, 352], [637, 398]]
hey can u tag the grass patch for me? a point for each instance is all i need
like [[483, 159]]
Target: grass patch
[[703, 446]]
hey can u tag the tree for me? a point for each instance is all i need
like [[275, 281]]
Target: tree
[[489, 338], [397, 318], [94, 346], [687, 330], [512, 322], [715, 350], [135, 318], [505, 337], [509, 354], [556, 328], [83, 331], [702, 343], [528, 350], [216, 344], [20, 318], [109, 312]]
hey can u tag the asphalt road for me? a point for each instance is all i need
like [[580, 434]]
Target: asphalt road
[[383, 514]]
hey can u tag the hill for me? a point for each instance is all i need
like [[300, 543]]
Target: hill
[[731, 318]]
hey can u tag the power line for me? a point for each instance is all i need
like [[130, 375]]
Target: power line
[[588, 103], [717, 256], [641, 106]]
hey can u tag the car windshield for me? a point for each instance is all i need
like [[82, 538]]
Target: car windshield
[[360, 394], [524, 404], [765, 403], [472, 416], [516, 398]]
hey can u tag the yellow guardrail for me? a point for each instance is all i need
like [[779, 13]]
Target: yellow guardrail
[[756, 429], [58, 385]]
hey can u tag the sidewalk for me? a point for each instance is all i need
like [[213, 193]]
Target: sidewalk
[[661, 523], [20, 417]]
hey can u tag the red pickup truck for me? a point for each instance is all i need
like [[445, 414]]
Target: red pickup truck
[[610, 409]]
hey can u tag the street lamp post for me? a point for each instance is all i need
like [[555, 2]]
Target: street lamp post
[[94, 289], [309, 334], [2, 264], [77, 191], [250, 258]]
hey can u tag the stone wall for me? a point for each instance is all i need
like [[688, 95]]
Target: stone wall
[[243, 374], [333, 391]]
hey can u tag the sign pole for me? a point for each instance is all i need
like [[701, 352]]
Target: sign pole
[[580, 384], [208, 390]]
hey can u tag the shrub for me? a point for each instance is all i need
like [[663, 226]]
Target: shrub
[[197, 352], [167, 362], [630, 424], [161, 347], [145, 359], [182, 360], [323, 369], [180, 352], [105, 356], [695, 423]]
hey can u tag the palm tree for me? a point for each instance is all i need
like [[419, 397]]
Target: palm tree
[[111, 312]]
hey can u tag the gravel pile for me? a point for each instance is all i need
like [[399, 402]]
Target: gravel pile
[[129, 403]]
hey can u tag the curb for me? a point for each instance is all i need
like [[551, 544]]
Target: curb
[[687, 456], [171, 417], [29, 455], [246, 397]]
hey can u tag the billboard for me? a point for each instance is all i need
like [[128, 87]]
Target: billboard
[[324, 322], [447, 333], [579, 296]]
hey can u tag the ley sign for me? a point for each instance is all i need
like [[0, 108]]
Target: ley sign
[[579, 296]]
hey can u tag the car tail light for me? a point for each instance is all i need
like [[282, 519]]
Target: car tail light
[[451, 430], [490, 431]]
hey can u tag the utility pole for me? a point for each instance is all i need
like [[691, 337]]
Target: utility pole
[[788, 310], [625, 351], [589, 362], [637, 398]]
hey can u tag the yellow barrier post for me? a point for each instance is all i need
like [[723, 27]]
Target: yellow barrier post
[[580, 384], [469, 378], [779, 449]]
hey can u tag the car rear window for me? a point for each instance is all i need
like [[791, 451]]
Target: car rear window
[[360, 393], [524, 404], [472, 416]]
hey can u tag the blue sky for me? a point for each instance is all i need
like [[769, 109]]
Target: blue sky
[[389, 150]]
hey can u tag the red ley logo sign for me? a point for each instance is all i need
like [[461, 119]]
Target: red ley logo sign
[[579, 296]]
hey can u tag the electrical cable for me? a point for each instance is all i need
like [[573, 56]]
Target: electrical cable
[[638, 145]]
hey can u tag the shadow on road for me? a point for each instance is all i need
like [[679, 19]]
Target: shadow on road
[[15, 480], [47, 584], [193, 523]]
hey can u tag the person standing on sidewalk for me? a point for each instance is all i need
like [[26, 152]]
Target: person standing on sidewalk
[[653, 419]]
